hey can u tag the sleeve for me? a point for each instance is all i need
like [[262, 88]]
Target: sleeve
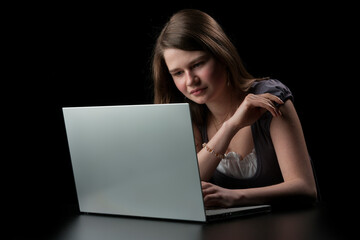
[[274, 87]]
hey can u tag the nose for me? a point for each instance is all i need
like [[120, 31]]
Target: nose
[[191, 79]]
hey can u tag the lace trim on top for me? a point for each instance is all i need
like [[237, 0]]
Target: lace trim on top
[[233, 165]]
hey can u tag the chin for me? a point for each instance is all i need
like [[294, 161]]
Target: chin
[[199, 101]]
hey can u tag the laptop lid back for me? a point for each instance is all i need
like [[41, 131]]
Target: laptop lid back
[[135, 160]]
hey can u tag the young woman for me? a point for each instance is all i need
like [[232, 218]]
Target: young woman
[[249, 140]]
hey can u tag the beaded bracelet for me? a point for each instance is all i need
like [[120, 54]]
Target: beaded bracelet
[[218, 155]]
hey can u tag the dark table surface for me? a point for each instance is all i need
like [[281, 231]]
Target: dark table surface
[[287, 224]]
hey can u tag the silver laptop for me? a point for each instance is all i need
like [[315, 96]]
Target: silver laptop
[[139, 160]]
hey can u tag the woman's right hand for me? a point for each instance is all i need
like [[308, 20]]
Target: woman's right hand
[[253, 107]]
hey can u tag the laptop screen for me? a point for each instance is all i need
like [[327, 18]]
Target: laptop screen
[[137, 160]]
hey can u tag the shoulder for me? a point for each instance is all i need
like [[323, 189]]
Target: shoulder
[[272, 86], [276, 88]]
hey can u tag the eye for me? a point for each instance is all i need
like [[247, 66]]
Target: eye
[[196, 65], [177, 74]]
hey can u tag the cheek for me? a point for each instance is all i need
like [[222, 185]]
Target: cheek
[[215, 74], [221, 74], [181, 86]]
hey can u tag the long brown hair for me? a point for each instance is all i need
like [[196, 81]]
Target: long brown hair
[[194, 30]]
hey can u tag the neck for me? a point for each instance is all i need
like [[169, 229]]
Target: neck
[[224, 107]]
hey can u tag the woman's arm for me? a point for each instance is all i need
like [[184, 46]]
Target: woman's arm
[[250, 110], [219, 143], [299, 183]]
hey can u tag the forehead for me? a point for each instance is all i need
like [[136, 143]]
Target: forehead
[[176, 58]]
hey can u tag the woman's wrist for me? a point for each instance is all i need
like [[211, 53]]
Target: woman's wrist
[[232, 126]]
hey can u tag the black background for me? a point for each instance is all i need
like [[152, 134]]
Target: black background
[[86, 55]]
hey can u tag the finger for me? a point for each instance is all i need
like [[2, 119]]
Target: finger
[[270, 102], [211, 200], [273, 109], [274, 98], [268, 105], [265, 101], [214, 200], [204, 187], [205, 184], [209, 189]]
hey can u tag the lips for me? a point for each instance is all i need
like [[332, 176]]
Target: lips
[[197, 91]]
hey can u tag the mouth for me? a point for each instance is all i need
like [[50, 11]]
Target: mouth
[[198, 91]]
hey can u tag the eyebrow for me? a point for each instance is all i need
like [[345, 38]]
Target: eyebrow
[[190, 63]]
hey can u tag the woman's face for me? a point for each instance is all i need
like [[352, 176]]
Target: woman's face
[[196, 74]]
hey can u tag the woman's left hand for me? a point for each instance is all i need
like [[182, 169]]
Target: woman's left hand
[[215, 196]]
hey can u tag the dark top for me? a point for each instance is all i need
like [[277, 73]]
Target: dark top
[[268, 170]]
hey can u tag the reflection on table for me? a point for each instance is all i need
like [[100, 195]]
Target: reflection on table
[[306, 224]]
